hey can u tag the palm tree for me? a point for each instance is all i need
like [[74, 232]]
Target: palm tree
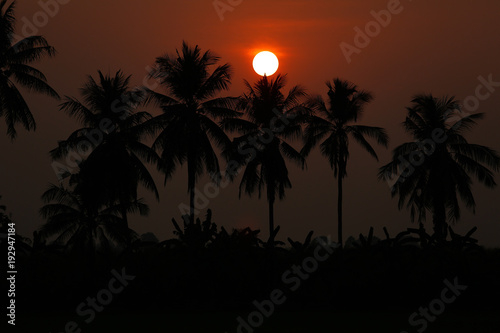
[[262, 147], [428, 173], [334, 124], [187, 127], [16, 70], [112, 133], [83, 228]]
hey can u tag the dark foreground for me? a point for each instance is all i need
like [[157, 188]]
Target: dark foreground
[[237, 283], [451, 321]]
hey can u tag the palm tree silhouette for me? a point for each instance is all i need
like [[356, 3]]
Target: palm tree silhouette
[[272, 118], [345, 106], [187, 124], [81, 227], [114, 164], [429, 173], [16, 69]]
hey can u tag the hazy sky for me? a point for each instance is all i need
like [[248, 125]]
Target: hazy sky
[[439, 47]]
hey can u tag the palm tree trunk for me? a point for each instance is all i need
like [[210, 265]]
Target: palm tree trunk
[[438, 201], [270, 254], [271, 220], [191, 204], [439, 218], [339, 208], [191, 185]]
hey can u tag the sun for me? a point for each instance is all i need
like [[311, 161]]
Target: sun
[[265, 63]]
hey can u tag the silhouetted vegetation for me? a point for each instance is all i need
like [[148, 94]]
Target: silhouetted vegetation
[[83, 228], [16, 57], [434, 171], [207, 267], [273, 117], [109, 148], [333, 122], [187, 127]]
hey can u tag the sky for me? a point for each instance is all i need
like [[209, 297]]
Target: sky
[[423, 46]]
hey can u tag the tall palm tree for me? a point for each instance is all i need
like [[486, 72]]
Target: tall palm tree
[[112, 167], [16, 70], [83, 228], [272, 118], [335, 124], [187, 126], [428, 173]]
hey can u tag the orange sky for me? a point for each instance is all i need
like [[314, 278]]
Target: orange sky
[[438, 47]]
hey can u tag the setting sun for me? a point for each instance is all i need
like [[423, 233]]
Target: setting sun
[[265, 63]]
